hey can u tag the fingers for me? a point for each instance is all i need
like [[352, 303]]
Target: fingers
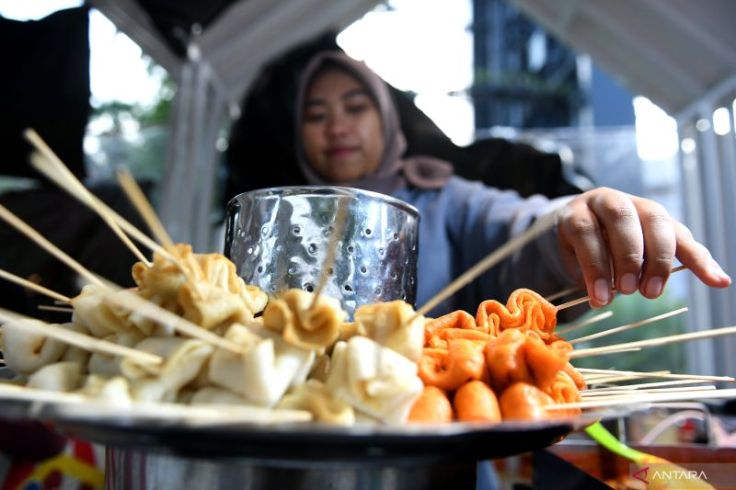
[[580, 234], [631, 242], [658, 231], [698, 259]]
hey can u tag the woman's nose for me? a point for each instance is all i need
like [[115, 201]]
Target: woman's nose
[[336, 125]]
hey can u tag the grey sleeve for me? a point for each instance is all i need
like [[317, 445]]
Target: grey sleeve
[[490, 218]]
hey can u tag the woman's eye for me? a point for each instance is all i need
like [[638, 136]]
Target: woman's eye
[[356, 108], [314, 117]]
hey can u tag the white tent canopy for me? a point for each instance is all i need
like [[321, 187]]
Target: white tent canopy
[[221, 63], [672, 51]]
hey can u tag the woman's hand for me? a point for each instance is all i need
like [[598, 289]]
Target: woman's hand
[[611, 237]]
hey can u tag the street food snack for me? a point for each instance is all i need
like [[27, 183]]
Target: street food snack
[[393, 325], [295, 351], [301, 324], [450, 368], [432, 407], [314, 397], [475, 401], [374, 379], [525, 310], [524, 401], [25, 352]]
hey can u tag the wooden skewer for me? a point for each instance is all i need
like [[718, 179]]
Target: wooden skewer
[[616, 350], [562, 294], [144, 207], [585, 299], [63, 177], [19, 392], [86, 342], [540, 226], [657, 374], [151, 310], [610, 378], [628, 326], [337, 232], [641, 386], [670, 339], [624, 393], [21, 226], [585, 323], [644, 398], [32, 285], [60, 309], [39, 160]]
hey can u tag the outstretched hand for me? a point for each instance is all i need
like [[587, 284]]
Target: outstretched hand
[[613, 238]]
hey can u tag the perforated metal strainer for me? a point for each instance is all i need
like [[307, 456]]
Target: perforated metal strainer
[[278, 239]]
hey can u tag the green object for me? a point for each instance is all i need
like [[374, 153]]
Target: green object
[[601, 435]]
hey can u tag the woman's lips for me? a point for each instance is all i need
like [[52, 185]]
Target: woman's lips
[[340, 152]]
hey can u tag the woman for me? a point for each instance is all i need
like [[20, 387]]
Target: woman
[[348, 134]]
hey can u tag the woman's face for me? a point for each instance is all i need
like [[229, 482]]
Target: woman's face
[[341, 129]]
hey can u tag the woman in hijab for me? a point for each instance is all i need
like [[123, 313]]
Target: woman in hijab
[[348, 134]]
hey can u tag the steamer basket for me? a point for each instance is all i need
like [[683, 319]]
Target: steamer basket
[[278, 239]]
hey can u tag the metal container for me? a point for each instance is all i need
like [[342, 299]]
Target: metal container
[[278, 238]]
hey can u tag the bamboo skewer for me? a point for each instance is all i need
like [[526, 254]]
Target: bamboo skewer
[[616, 350], [340, 220], [33, 286], [585, 299], [608, 380], [624, 393], [654, 342], [540, 226], [144, 207], [657, 374], [80, 340], [59, 309], [40, 160], [151, 310], [61, 175], [19, 392], [628, 326], [644, 398], [589, 321], [21, 226], [640, 386], [562, 294]]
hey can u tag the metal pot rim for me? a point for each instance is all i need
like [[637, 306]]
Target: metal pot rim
[[325, 190]]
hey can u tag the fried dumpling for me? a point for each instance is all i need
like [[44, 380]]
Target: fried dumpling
[[209, 306], [95, 315], [115, 390], [313, 397], [310, 328], [450, 368], [388, 324], [374, 379], [525, 310], [219, 271], [183, 359], [60, 376], [25, 352], [213, 395], [265, 371]]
